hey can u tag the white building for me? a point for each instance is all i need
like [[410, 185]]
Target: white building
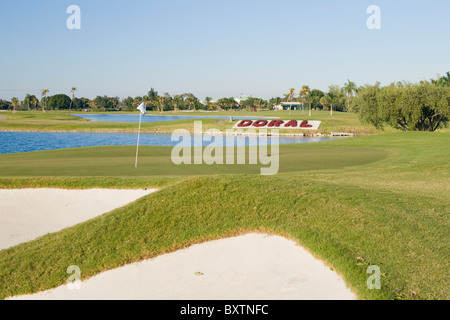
[[288, 105]]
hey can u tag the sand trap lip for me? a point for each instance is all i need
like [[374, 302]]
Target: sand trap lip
[[26, 214], [248, 267]]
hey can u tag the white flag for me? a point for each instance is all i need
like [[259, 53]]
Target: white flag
[[141, 108]]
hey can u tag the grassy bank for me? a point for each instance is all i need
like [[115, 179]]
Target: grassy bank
[[63, 121], [375, 200]]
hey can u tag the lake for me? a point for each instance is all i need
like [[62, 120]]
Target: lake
[[13, 142], [152, 118]]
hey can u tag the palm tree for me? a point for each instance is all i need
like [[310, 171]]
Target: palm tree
[[73, 96], [152, 98], [324, 101], [304, 92], [14, 103], [34, 101], [446, 79], [221, 103], [27, 101], [161, 100], [44, 96], [261, 104], [349, 88], [442, 81], [309, 100], [208, 102], [177, 101], [334, 96], [190, 100], [332, 101], [289, 97]]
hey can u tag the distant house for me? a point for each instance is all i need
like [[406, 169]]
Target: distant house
[[288, 105], [241, 98], [203, 102]]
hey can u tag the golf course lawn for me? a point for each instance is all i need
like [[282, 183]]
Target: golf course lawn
[[374, 200], [64, 121]]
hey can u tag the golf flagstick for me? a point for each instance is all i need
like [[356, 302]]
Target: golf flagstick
[[142, 109]]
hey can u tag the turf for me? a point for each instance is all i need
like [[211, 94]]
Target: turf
[[375, 200], [63, 121], [118, 161]]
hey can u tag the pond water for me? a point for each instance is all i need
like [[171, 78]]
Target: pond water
[[13, 142], [152, 118]]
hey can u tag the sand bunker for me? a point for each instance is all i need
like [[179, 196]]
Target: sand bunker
[[26, 214], [252, 266]]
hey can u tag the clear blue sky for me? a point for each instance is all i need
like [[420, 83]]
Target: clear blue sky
[[217, 47]]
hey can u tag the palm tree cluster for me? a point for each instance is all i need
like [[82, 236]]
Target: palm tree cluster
[[336, 99], [315, 99]]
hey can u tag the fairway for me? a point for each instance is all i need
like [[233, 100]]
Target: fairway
[[376, 200]]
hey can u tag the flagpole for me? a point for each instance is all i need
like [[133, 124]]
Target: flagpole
[[137, 146]]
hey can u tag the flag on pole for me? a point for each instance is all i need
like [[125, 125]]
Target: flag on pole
[[143, 111], [142, 108]]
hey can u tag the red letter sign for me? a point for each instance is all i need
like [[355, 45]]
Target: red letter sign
[[260, 123], [275, 123], [245, 123], [292, 123]]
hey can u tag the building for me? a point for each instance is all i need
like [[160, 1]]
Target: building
[[241, 98], [203, 102], [288, 105]]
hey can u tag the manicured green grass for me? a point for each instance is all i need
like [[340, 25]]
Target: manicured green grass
[[63, 121], [375, 200], [118, 161]]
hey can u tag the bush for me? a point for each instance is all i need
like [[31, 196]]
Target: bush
[[59, 101], [421, 107]]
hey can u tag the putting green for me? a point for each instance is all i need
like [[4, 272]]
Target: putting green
[[156, 161]]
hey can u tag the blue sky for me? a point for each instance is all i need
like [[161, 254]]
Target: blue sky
[[217, 48]]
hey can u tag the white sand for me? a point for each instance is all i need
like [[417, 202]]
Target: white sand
[[26, 214], [252, 266]]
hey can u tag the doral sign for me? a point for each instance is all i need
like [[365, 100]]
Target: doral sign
[[277, 124]]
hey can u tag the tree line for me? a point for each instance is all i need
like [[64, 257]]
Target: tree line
[[420, 106], [315, 99]]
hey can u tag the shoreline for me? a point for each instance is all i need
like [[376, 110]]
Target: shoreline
[[295, 134]]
